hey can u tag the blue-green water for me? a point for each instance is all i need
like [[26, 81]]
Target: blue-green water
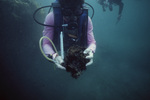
[[121, 68]]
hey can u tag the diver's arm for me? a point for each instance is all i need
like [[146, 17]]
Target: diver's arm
[[89, 51], [120, 7], [48, 31], [90, 36], [101, 2], [47, 46], [103, 7]]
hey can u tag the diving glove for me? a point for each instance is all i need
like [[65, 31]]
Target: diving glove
[[58, 61], [89, 54]]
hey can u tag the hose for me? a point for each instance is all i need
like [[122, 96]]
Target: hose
[[34, 16], [92, 9], [41, 49]]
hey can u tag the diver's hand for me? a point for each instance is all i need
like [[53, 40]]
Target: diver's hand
[[119, 17], [58, 61], [104, 9], [89, 56]]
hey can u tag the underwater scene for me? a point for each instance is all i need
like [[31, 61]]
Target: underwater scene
[[121, 62]]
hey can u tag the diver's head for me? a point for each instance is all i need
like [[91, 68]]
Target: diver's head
[[72, 7], [71, 3]]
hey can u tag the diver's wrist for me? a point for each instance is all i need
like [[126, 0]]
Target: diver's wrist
[[54, 55]]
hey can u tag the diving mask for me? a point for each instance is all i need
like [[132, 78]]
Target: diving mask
[[69, 11]]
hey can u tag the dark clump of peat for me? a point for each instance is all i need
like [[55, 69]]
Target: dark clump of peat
[[75, 61]]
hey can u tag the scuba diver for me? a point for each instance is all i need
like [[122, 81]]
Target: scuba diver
[[69, 17], [109, 3]]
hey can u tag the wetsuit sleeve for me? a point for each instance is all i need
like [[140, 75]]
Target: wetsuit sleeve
[[48, 31], [90, 36]]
